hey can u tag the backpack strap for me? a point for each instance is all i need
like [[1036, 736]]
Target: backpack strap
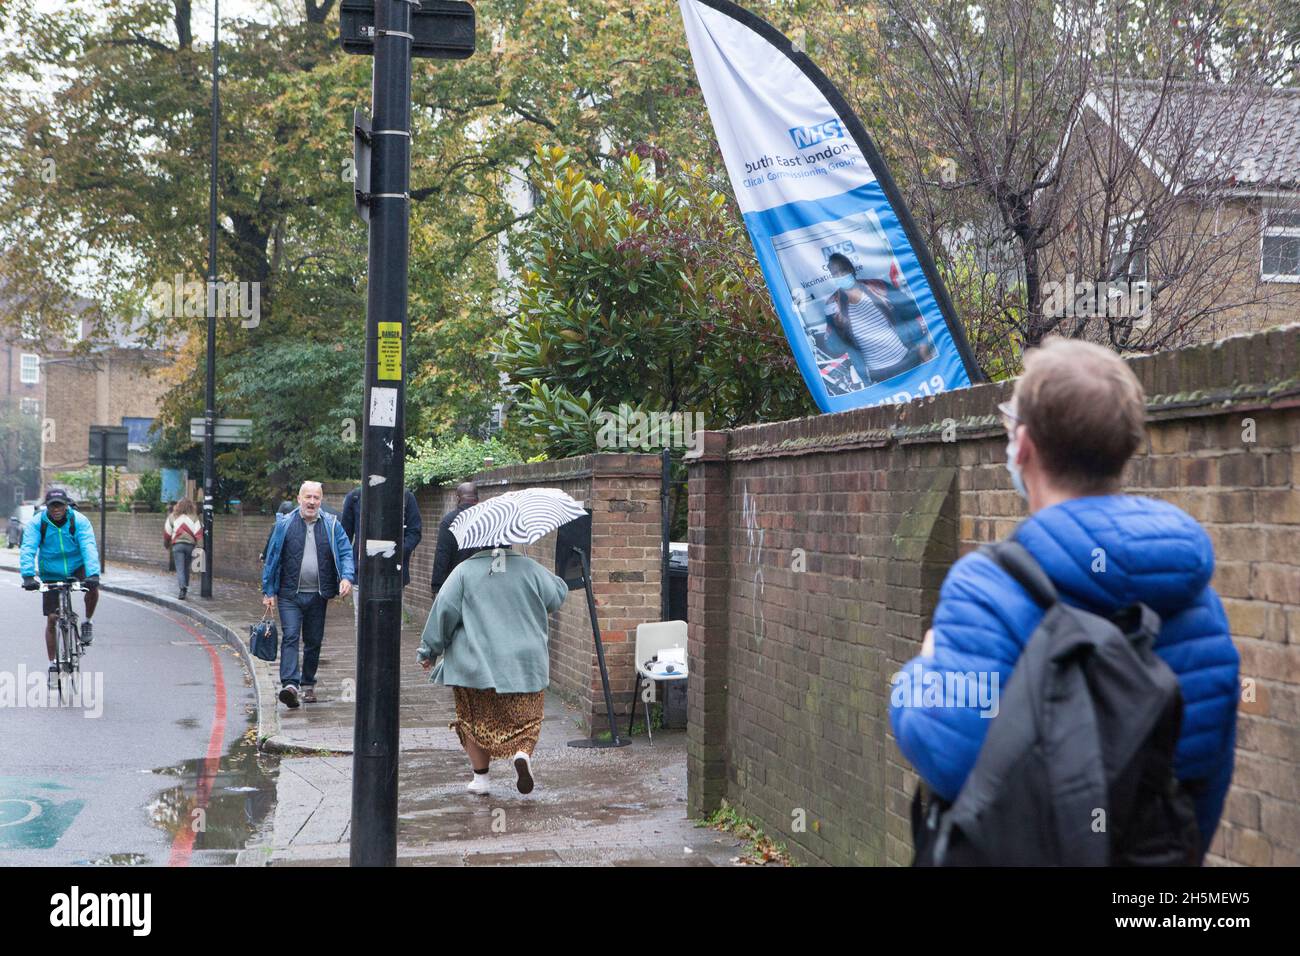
[[1014, 558], [72, 526], [1140, 624]]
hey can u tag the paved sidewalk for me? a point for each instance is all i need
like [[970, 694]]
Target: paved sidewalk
[[620, 807]]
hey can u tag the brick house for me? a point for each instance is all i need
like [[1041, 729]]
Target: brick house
[[111, 381], [1192, 188]]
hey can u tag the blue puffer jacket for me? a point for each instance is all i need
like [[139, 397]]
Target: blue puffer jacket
[[1154, 553], [63, 550]]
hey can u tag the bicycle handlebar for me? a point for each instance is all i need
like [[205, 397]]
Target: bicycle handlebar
[[62, 586]]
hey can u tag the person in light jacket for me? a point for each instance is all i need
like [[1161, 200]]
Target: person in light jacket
[[489, 623], [183, 532]]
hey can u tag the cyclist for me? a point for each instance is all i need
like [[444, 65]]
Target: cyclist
[[60, 545]]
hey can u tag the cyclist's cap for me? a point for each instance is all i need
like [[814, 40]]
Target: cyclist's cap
[[57, 495]]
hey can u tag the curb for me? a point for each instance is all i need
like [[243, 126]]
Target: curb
[[268, 720]]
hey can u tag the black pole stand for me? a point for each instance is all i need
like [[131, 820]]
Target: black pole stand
[[379, 538], [665, 527], [210, 383], [103, 494], [614, 739]]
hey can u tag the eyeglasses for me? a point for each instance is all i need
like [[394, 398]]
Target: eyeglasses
[[1009, 417]]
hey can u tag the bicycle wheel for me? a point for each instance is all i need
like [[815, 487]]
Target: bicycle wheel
[[64, 659], [74, 647]]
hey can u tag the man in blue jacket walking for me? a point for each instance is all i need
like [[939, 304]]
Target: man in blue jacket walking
[[308, 562], [1076, 417], [59, 547]]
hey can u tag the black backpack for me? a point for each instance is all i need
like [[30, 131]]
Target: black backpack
[[1077, 766]]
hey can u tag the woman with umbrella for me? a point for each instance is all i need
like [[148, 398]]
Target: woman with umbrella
[[489, 624]]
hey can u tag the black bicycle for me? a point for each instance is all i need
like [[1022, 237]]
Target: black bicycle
[[68, 636]]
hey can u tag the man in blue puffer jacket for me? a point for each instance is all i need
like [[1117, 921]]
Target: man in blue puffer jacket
[[1077, 415]]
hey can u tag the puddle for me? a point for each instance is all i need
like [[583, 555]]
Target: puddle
[[240, 797]]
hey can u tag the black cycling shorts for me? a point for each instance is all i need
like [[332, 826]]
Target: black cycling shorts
[[50, 599]]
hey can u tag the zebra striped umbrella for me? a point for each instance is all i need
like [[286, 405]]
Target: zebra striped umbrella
[[516, 517]]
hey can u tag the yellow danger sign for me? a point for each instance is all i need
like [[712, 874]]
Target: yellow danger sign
[[390, 351]]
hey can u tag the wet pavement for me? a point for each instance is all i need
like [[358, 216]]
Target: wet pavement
[[624, 806], [590, 806]]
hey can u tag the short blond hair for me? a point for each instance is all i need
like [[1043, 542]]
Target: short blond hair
[[1085, 411]]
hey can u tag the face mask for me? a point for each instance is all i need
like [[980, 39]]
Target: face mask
[[845, 282], [1013, 447]]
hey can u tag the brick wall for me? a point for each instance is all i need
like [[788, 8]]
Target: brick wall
[[137, 539], [817, 548]]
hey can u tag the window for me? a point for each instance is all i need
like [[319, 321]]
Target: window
[[137, 433], [1128, 257], [30, 372], [30, 406], [1280, 246]]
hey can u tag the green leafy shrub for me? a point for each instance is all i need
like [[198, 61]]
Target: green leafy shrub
[[455, 461]]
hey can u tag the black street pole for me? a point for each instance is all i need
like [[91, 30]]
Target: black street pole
[[210, 401], [379, 543], [103, 494], [665, 529]]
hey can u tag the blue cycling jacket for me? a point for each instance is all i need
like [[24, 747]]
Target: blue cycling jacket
[[62, 552], [1151, 552]]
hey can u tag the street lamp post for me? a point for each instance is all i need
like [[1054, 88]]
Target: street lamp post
[[392, 31], [210, 398]]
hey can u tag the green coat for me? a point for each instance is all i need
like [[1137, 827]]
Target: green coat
[[490, 625]]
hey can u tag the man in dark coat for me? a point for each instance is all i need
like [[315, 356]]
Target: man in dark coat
[[449, 552], [412, 532]]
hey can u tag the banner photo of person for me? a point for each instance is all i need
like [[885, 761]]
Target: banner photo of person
[[865, 312]]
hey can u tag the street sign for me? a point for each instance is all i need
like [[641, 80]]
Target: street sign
[[108, 449], [441, 29], [227, 431], [108, 445], [361, 142]]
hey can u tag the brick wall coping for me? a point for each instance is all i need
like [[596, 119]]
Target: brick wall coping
[[600, 465], [1270, 359]]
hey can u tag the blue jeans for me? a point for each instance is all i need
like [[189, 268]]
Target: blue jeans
[[183, 554], [301, 615]]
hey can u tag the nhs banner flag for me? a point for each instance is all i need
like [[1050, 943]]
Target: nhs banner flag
[[865, 311]]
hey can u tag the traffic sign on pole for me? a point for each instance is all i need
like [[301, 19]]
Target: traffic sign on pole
[[225, 431], [108, 449], [438, 28]]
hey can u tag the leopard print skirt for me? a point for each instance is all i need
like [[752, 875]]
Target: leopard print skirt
[[502, 724]]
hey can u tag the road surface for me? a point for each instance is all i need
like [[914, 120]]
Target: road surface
[[149, 765]]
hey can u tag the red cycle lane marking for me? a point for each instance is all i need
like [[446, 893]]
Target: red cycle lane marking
[[183, 843]]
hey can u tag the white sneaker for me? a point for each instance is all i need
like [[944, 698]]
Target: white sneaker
[[524, 769], [479, 785]]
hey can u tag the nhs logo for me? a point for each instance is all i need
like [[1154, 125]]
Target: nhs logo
[[805, 136]]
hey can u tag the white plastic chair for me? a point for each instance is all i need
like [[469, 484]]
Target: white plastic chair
[[651, 638]]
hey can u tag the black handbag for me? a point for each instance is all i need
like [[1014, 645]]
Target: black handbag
[[263, 638]]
